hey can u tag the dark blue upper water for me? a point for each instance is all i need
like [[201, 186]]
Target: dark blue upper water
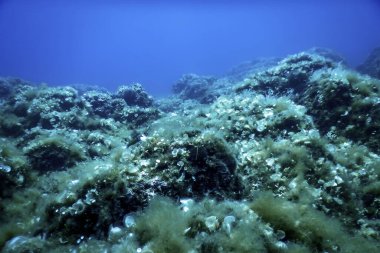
[[109, 43]]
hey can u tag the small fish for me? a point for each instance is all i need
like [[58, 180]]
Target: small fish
[[5, 168]]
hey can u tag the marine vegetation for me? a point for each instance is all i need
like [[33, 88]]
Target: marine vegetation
[[279, 155]]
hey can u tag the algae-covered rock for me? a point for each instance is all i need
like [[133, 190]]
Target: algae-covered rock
[[249, 68], [137, 116], [371, 66], [291, 75], [338, 99], [11, 125], [99, 103], [100, 202], [135, 95], [13, 168], [53, 153], [191, 164], [195, 87], [10, 86], [163, 230], [310, 227], [346, 103], [21, 99], [250, 115], [208, 226], [54, 107], [5, 88], [329, 54]]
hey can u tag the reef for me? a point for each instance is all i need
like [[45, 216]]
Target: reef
[[278, 155]]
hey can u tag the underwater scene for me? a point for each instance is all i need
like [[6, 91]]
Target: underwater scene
[[193, 127]]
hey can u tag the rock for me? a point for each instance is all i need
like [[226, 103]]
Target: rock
[[291, 75], [135, 96], [371, 66], [195, 87]]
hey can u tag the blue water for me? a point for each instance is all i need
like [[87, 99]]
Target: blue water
[[109, 43]]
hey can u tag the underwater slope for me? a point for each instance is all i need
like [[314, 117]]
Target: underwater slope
[[284, 159]]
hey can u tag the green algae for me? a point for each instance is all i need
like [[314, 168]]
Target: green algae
[[305, 225]]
